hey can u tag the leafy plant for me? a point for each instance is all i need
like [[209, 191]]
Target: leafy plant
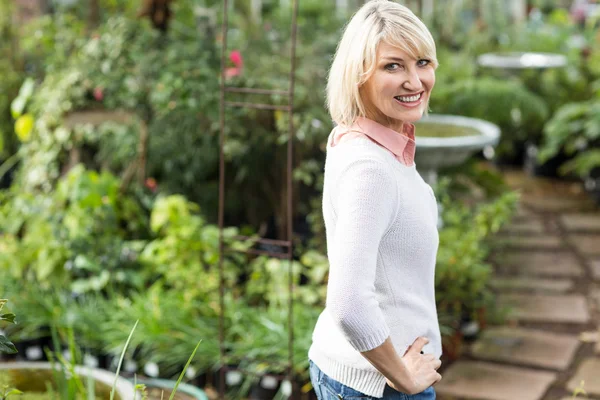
[[7, 392], [83, 234], [574, 129], [462, 273], [6, 346]]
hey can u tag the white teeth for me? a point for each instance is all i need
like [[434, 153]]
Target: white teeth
[[409, 99]]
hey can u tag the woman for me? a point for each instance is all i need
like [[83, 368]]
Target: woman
[[378, 336]]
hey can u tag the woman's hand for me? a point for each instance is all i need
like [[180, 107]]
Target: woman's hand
[[421, 369]]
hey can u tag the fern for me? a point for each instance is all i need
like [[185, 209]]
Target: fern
[[574, 129]]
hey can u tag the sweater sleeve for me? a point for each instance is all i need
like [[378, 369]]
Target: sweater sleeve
[[365, 205]]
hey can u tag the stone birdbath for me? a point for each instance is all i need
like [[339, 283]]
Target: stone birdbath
[[522, 60], [449, 140]]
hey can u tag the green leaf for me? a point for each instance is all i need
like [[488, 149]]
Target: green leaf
[[8, 317], [112, 392], [6, 345], [95, 283], [183, 372], [18, 104]]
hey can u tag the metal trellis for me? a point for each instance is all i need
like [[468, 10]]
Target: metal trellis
[[285, 245]]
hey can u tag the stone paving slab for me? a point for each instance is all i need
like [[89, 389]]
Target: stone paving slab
[[487, 381], [589, 372], [581, 222], [560, 263], [547, 308], [545, 242], [532, 284], [526, 347], [588, 245], [595, 266], [558, 204], [524, 227], [595, 295], [523, 213]]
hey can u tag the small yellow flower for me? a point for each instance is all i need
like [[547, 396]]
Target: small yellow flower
[[23, 127], [278, 115]]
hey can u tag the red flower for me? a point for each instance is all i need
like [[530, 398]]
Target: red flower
[[236, 58], [151, 184], [98, 93]]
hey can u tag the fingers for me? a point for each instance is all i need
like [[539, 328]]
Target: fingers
[[418, 345]]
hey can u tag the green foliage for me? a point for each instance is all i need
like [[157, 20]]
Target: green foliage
[[6, 345], [10, 81], [185, 245], [259, 337], [82, 235], [574, 129], [462, 273], [7, 392]]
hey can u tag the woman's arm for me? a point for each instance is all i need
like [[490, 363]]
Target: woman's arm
[[365, 200], [410, 374]]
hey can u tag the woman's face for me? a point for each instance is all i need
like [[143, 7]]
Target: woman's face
[[399, 89]]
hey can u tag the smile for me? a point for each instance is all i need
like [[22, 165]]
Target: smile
[[409, 99]]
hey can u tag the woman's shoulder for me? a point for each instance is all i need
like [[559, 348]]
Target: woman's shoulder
[[347, 146]]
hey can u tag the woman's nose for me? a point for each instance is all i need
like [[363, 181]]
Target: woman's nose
[[412, 80]]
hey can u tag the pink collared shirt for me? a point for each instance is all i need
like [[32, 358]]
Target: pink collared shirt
[[402, 145]]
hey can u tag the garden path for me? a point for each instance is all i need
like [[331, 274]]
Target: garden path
[[548, 272]]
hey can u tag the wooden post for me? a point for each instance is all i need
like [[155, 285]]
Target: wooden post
[[94, 15]]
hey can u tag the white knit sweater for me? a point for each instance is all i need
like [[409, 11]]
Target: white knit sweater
[[382, 240]]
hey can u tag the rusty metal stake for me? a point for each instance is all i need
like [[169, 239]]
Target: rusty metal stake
[[285, 244]]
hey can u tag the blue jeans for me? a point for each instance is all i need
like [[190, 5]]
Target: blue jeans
[[327, 388]]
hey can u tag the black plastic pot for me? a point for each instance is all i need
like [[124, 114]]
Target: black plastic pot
[[33, 349], [591, 184], [513, 159], [265, 389], [105, 361], [549, 169]]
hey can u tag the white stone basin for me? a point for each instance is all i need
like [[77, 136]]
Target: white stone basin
[[434, 153], [522, 60]]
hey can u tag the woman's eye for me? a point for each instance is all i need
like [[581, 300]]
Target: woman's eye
[[423, 63], [392, 66]]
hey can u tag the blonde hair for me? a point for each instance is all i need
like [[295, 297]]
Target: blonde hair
[[356, 55]]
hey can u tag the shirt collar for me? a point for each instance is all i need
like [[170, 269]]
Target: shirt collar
[[401, 144]]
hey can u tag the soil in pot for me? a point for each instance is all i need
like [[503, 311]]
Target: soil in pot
[[430, 129], [33, 383]]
